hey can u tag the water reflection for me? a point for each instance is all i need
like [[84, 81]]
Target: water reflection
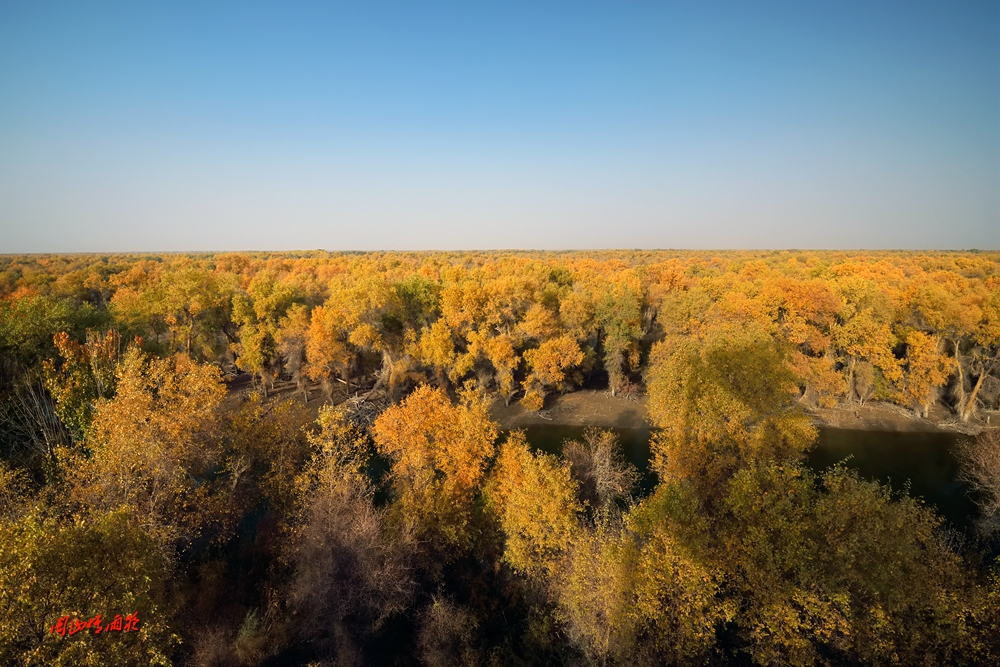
[[922, 463], [634, 443]]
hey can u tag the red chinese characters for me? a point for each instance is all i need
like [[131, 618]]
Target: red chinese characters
[[64, 625], [132, 622], [59, 627], [116, 625]]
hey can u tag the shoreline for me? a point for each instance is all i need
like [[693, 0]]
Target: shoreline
[[595, 407], [585, 407], [891, 417]]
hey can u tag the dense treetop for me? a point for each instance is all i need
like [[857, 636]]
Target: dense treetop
[[896, 326], [377, 515]]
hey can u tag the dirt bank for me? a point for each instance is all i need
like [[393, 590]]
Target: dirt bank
[[600, 408], [587, 407], [595, 407], [889, 417]]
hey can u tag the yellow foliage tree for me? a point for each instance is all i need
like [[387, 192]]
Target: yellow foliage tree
[[548, 364], [926, 370], [723, 403], [534, 496], [863, 338], [154, 444], [439, 453], [103, 565], [327, 353], [437, 349]]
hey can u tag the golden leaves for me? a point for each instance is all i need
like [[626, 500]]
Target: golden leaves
[[153, 443], [439, 453], [549, 363], [534, 496]]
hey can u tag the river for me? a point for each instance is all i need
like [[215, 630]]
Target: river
[[921, 463]]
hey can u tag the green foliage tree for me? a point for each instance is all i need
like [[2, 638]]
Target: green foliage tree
[[85, 375], [100, 564], [839, 569], [28, 322], [722, 404], [258, 313], [620, 315], [186, 309]]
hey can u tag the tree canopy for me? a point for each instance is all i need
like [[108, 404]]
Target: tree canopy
[[290, 458]]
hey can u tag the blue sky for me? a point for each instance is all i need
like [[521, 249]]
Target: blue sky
[[148, 126]]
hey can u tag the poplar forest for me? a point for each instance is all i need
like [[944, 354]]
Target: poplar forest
[[291, 459]]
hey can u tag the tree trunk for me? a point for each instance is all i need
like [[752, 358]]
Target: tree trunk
[[970, 406], [850, 379], [386, 378], [960, 388]]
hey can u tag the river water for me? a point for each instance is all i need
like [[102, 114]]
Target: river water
[[923, 464]]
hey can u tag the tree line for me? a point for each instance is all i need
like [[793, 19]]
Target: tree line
[[915, 329]]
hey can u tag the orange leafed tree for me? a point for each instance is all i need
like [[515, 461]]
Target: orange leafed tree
[[926, 370], [154, 444], [549, 363], [439, 451]]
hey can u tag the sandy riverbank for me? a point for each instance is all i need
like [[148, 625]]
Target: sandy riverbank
[[587, 407], [596, 407], [889, 417], [599, 408]]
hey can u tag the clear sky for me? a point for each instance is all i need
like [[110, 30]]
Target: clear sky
[[199, 126]]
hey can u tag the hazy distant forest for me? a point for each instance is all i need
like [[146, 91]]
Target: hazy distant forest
[[289, 459]]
